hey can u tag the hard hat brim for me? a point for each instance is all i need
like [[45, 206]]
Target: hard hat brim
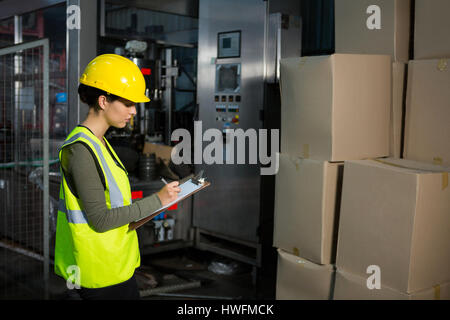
[[142, 99], [139, 99]]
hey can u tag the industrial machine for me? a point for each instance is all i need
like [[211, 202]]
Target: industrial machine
[[238, 73]]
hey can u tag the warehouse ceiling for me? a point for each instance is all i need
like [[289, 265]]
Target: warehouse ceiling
[[180, 7], [13, 7]]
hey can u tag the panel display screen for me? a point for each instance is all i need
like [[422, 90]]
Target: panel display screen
[[229, 44]]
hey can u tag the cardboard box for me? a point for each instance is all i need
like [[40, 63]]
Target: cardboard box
[[431, 29], [383, 30], [398, 88], [307, 199], [160, 150], [300, 279], [427, 128], [351, 287], [336, 108], [395, 214]]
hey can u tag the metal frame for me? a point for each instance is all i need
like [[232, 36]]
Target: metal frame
[[168, 94], [77, 59], [45, 100]]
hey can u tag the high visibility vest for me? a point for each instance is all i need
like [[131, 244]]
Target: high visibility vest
[[95, 259]]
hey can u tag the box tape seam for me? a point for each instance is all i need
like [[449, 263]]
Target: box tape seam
[[444, 180], [437, 292], [442, 65], [306, 151]]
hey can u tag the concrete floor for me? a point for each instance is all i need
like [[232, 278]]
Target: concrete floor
[[180, 275]]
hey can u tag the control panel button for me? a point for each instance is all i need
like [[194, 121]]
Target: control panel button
[[224, 98], [238, 98], [230, 98], [221, 108], [233, 108], [216, 98]]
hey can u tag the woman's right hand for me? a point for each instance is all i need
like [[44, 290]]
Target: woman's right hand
[[169, 193]]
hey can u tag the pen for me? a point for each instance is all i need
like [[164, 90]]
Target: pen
[[163, 180]]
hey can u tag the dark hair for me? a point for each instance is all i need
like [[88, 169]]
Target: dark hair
[[89, 95]]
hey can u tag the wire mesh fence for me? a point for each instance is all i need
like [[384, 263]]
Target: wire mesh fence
[[24, 165]]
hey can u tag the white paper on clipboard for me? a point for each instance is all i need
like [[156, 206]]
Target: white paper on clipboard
[[186, 189]]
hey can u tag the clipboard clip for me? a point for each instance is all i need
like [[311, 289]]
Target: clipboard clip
[[198, 179]]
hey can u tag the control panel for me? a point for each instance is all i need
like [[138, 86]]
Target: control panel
[[227, 109], [227, 98]]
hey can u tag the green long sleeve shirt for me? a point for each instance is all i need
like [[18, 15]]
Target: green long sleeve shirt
[[83, 178]]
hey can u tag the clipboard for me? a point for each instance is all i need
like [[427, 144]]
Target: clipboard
[[189, 187]]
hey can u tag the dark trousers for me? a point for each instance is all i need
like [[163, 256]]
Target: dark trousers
[[127, 290]]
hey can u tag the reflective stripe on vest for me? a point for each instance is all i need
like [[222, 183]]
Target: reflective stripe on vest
[[114, 191], [73, 216]]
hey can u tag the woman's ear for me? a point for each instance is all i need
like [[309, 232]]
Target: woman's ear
[[102, 102]]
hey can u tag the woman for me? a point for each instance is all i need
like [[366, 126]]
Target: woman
[[94, 247]]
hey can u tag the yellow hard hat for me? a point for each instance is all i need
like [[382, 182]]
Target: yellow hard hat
[[116, 75]]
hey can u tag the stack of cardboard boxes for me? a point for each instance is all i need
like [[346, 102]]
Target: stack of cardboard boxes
[[394, 239], [427, 129], [350, 224]]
